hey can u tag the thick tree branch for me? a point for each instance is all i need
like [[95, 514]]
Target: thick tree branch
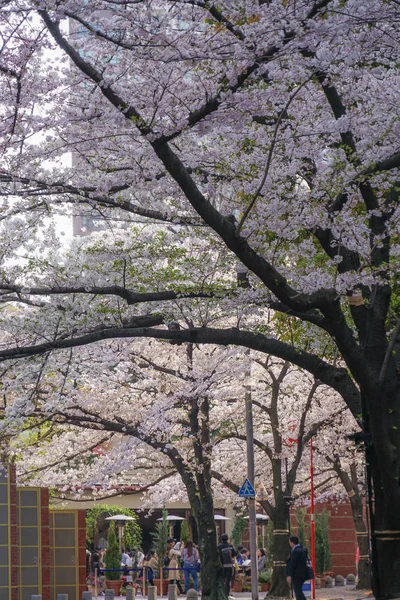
[[337, 378], [114, 290]]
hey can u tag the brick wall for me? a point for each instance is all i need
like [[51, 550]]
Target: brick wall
[[342, 536]]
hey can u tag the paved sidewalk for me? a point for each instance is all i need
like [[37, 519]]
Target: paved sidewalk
[[335, 593]]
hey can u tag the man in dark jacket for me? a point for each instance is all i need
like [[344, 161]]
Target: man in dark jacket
[[226, 554], [296, 567]]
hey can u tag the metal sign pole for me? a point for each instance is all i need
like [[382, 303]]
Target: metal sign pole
[[312, 518], [252, 500]]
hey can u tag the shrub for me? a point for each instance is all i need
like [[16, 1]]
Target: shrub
[[113, 554]]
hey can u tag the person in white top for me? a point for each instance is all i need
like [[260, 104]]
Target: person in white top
[[129, 561]]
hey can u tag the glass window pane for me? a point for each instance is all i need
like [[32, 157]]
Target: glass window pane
[[29, 556], [65, 557], [29, 536], [28, 497], [3, 494], [4, 593], [4, 575], [64, 520], [29, 575], [3, 555], [65, 576], [3, 514], [64, 538], [3, 534], [29, 516]]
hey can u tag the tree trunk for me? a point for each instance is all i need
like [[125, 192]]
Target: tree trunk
[[279, 585], [212, 582], [385, 526], [351, 486], [363, 571], [364, 567]]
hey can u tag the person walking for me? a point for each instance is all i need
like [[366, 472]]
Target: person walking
[[296, 567], [174, 575], [190, 559], [227, 553]]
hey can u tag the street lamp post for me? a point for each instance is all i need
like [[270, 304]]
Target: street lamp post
[[120, 521], [172, 519]]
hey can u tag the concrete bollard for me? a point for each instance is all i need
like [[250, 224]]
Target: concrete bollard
[[339, 581], [86, 595], [192, 594], [328, 582], [109, 595], [130, 593], [151, 592], [172, 591], [351, 579]]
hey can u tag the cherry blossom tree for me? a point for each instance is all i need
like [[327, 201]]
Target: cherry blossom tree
[[267, 130], [290, 409], [140, 418]]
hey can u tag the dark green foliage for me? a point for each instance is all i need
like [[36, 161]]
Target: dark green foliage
[[160, 537], [113, 554], [323, 554], [264, 577], [238, 528], [185, 532], [302, 526], [96, 521]]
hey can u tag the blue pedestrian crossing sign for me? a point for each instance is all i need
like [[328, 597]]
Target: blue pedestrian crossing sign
[[247, 490]]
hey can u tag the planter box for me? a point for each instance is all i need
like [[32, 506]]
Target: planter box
[[264, 587], [114, 585], [237, 586], [165, 584]]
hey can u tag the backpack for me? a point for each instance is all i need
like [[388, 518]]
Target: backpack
[[227, 558], [309, 569]]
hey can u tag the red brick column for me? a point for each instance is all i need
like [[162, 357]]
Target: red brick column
[[82, 550], [45, 542], [13, 532]]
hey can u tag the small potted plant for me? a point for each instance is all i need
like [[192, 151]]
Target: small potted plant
[[113, 562], [238, 582], [90, 584], [264, 579]]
